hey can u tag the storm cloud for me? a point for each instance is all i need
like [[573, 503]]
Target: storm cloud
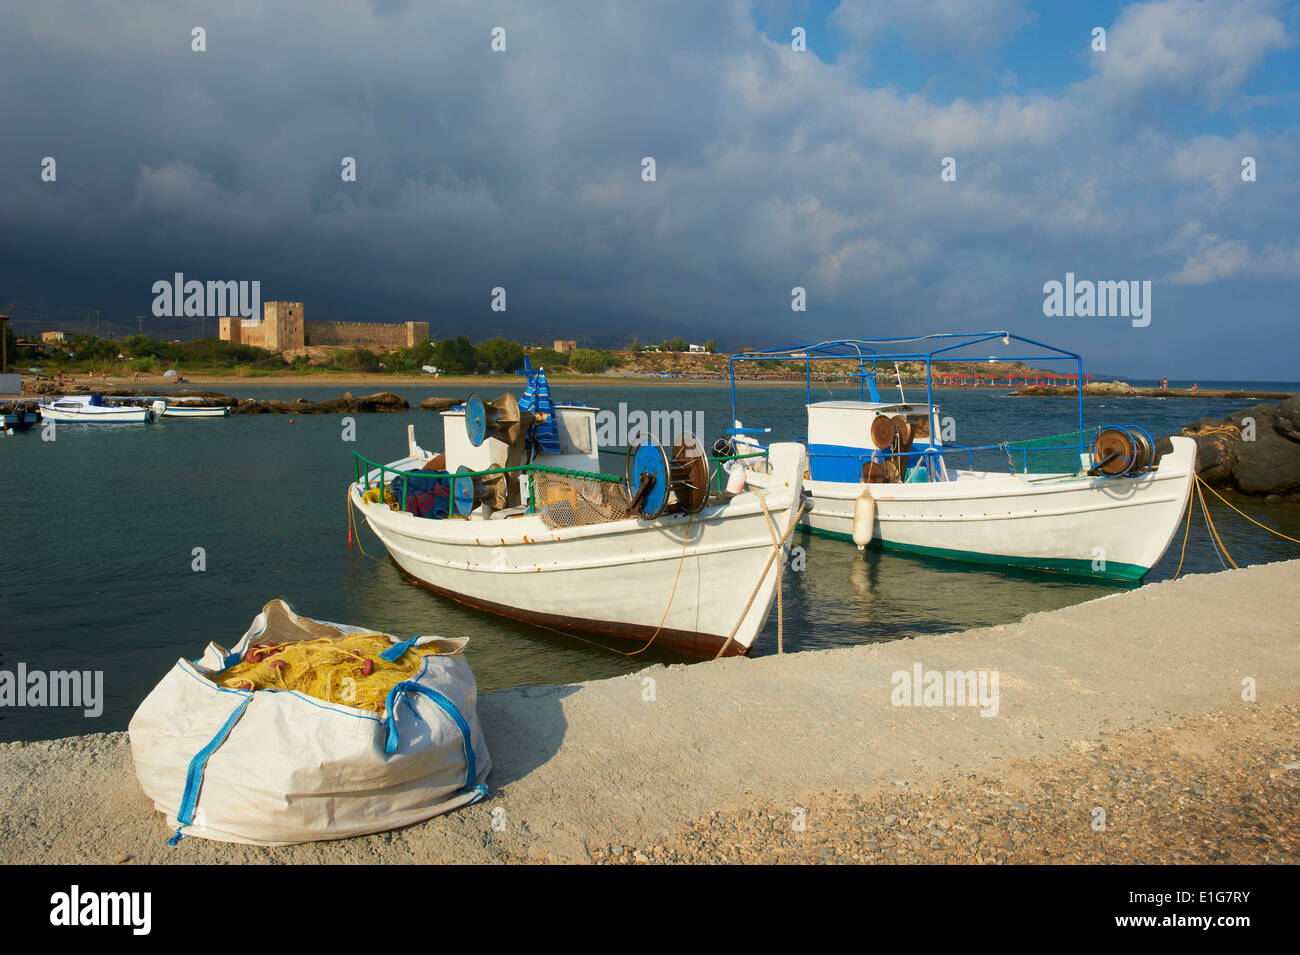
[[774, 169]]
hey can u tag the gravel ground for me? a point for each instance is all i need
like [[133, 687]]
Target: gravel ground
[[1216, 789], [1134, 703]]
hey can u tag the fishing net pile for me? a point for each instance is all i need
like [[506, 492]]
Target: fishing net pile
[[279, 768], [564, 501], [350, 670]]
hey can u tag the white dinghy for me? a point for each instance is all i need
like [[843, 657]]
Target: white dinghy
[[656, 557]]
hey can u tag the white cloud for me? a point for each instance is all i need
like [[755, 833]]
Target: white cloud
[[1200, 50]]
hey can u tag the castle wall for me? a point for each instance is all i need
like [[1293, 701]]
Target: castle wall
[[283, 328], [367, 334], [228, 330]]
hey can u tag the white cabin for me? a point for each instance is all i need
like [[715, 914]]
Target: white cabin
[[577, 427]]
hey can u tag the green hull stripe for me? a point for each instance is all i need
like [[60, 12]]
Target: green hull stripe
[[1066, 565]]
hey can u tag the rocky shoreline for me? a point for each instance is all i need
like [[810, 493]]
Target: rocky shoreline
[[379, 403], [1124, 390], [1255, 451]]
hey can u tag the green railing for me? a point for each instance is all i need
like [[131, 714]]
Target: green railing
[[713, 459], [361, 473]]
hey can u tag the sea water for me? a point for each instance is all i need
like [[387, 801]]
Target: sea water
[[124, 547]]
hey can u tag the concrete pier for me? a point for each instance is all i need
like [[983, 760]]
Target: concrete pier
[[736, 748]]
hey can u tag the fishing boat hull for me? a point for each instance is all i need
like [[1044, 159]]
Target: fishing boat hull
[[1107, 528], [683, 582]]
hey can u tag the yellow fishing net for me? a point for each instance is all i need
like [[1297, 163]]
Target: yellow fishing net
[[377, 494], [348, 671]]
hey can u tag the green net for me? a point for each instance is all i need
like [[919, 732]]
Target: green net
[[1053, 454]]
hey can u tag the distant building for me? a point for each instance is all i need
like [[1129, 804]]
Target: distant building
[[698, 350], [282, 328], [564, 346], [52, 336]]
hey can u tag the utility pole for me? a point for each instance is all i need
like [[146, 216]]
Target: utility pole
[[140, 319], [4, 340], [97, 323]]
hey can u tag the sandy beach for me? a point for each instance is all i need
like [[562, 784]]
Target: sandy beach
[[1131, 704]]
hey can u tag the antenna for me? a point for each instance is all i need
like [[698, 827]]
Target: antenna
[[899, 375]]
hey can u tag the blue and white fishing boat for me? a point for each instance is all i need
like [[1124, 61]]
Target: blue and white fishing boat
[[19, 416], [93, 409], [1103, 502]]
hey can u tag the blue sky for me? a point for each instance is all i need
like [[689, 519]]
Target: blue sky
[[774, 168]]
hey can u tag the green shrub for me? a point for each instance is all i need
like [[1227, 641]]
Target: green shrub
[[589, 361]]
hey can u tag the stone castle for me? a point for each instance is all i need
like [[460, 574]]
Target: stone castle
[[282, 329]]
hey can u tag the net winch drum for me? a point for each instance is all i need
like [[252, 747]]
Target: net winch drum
[[502, 419], [468, 492], [690, 474], [902, 434], [1121, 451], [657, 482], [882, 432]]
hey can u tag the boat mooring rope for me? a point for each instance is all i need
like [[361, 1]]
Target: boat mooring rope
[[631, 653], [1214, 534], [354, 529], [778, 548], [1216, 540], [1244, 514]]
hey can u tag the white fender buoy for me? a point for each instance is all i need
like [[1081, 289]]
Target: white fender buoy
[[864, 517], [736, 478]]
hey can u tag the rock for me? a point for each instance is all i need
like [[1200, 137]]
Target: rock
[[439, 404], [1287, 420], [1256, 450], [1269, 464], [383, 401], [1215, 456]]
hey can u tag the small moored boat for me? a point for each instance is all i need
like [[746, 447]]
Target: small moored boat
[[18, 415], [92, 409]]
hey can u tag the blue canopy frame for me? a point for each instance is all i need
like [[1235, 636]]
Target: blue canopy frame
[[865, 350]]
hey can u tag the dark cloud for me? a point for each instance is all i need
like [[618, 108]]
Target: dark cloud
[[523, 169]]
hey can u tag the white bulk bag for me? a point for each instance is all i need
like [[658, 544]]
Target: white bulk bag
[[272, 767]]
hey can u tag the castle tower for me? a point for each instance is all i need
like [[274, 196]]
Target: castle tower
[[284, 325]]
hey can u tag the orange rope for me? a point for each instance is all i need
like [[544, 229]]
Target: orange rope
[[1245, 515], [1186, 530], [1214, 531]]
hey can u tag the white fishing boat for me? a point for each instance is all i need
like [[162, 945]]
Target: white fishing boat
[[655, 557], [167, 406], [1102, 502], [92, 409], [182, 409]]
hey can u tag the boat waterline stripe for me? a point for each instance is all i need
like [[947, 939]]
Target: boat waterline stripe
[[1081, 566], [964, 518]]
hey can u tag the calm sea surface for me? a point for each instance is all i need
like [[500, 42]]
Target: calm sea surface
[[99, 527]]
